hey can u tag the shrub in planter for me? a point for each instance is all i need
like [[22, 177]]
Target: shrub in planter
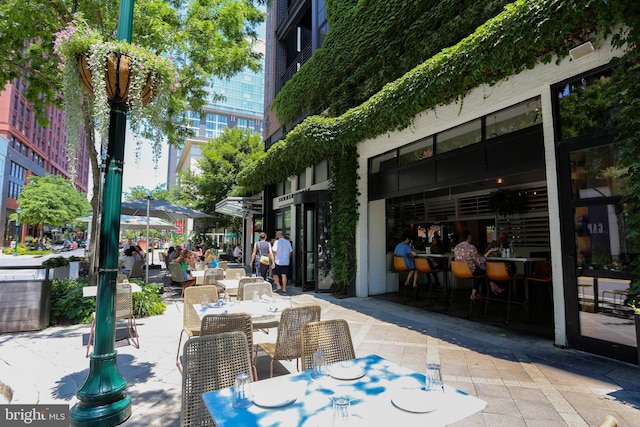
[[55, 262], [68, 305], [147, 303]]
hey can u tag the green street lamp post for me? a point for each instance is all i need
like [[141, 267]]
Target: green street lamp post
[[15, 248], [102, 397]]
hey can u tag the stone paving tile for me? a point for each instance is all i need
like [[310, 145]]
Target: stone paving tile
[[537, 410], [526, 381]]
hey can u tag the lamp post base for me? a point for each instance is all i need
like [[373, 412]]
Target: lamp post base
[[109, 415], [102, 400]]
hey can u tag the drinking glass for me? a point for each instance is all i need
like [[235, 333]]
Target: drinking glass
[[434, 378], [341, 413], [256, 296], [242, 396], [319, 364], [238, 276], [204, 300]]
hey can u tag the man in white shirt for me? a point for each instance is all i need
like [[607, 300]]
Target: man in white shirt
[[282, 251], [237, 253]]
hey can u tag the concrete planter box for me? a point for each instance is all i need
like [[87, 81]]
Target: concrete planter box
[[25, 305], [61, 272]]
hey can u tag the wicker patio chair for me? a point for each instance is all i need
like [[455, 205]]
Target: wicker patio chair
[[261, 287], [136, 270], [123, 310], [218, 323], [287, 345], [331, 336], [211, 362], [231, 273], [238, 293], [190, 320]]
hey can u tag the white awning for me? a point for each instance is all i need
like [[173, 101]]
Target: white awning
[[241, 207]]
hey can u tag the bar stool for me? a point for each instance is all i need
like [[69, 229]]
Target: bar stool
[[400, 266], [461, 270], [497, 272], [423, 266]]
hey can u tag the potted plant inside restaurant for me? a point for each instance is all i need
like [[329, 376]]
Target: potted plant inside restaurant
[[111, 72], [506, 202]]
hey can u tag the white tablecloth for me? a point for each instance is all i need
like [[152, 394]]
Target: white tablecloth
[[372, 397]]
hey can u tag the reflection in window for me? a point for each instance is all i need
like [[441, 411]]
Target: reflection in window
[[383, 162], [596, 172], [458, 137], [585, 105], [516, 117], [321, 172], [603, 258], [600, 237], [419, 150]]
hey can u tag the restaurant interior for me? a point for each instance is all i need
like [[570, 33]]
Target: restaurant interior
[[433, 213]]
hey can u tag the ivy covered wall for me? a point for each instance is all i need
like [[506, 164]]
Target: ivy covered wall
[[522, 35]]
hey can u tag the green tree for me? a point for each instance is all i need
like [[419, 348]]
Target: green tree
[[51, 200], [138, 192], [223, 157], [208, 38]]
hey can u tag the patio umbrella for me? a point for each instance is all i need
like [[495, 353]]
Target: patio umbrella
[[158, 208], [132, 222]]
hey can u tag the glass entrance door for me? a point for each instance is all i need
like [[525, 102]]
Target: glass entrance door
[[597, 255], [314, 252]]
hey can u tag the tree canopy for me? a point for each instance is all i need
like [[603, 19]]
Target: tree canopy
[[139, 191], [223, 157], [51, 199], [207, 38]]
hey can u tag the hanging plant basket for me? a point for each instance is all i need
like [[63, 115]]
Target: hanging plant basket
[[99, 73], [507, 202], [117, 79]]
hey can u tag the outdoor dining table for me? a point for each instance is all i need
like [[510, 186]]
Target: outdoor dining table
[[228, 284], [265, 313], [378, 391]]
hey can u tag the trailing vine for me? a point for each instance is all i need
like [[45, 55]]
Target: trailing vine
[[626, 79], [524, 34]]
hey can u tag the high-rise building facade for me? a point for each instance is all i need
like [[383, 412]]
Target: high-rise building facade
[[32, 149], [234, 102]]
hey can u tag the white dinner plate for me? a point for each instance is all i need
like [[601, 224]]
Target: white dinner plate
[[416, 400], [274, 399], [345, 371]]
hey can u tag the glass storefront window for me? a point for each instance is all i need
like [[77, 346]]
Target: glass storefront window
[[596, 172], [383, 162], [600, 237], [458, 137], [321, 172], [516, 117], [422, 149]]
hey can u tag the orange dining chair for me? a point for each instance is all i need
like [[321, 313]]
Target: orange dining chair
[[497, 272], [462, 271], [423, 266]]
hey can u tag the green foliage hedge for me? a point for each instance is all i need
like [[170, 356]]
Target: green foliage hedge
[[69, 307], [372, 43]]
